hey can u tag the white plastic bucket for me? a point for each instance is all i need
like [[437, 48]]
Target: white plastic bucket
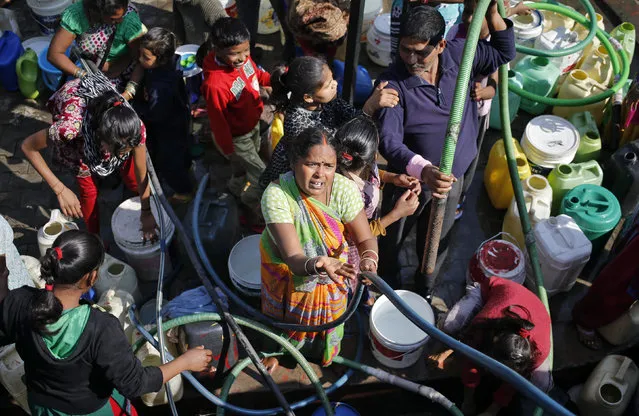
[[527, 28], [245, 264], [548, 142], [144, 258], [378, 40], [269, 21], [557, 39], [230, 7], [57, 224], [9, 21], [499, 258], [11, 373], [396, 342], [47, 13], [372, 9], [115, 274]]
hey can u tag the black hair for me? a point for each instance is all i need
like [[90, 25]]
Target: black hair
[[226, 32], [82, 253], [116, 125], [358, 140], [298, 147], [96, 10], [503, 339], [423, 23], [303, 76], [161, 42]]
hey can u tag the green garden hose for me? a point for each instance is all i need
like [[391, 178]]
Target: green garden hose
[[622, 72]]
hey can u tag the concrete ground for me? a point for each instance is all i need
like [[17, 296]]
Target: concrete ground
[[25, 201]]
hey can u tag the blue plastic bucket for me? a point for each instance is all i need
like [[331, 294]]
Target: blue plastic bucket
[[50, 74], [341, 409], [363, 84]]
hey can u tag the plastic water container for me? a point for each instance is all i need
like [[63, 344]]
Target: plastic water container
[[213, 336], [595, 209], [10, 50], [230, 7], [548, 142], [268, 22], [579, 85], [363, 83], [339, 409], [598, 66], [623, 329], [589, 138], [558, 39], [33, 268], [245, 266], [497, 177], [47, 13], [539, 76], [378, 40], [9, 21], [396, 341], [622, 176], [563, 251], [625, 34], [57, 224], [538, 198], [372, 9], [117, 303], [27, 71], [117, 275], [563, 178], [499, 258], [191, 73], [144, 258], [527, 28], [582, 33], [514, 101], [609, 388], [554, 20], [11, 374]]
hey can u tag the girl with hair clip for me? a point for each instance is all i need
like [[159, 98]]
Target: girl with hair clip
[[358, 140], [509, 323], [77, 359], [94, 134], [165, 112], [306, 94]]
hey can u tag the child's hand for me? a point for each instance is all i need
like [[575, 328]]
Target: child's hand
[[406, 205], [480, 93], [382, 97], [197, 359], [405, 181], [520, 8]]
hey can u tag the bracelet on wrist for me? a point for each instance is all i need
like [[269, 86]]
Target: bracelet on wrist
[[369, 259], [305, 266], [363, 255], [315, 265]]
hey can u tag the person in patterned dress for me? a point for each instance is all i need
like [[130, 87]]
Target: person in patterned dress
[[106, 32], [304, 254], [95, 133]]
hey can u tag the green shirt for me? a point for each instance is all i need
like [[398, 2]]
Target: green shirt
[[75, 20]]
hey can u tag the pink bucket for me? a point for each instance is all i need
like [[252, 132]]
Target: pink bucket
[[499, 258]]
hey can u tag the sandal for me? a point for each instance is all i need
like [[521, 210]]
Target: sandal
[[589, 338]]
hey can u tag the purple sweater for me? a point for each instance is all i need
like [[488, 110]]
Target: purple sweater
[[417, 126]]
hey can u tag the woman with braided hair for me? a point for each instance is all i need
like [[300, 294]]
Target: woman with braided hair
[[77, 359], [95, 133]]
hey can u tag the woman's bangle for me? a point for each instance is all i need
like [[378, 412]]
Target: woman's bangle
[[62, 190], [306, 264], [315, 266], [369, 259], [131, 88], [80, 73], [369, 251]]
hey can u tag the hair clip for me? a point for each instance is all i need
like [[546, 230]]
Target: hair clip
[[347, 156], [58, 252], [48, 288], [117, 103], [524, 333]]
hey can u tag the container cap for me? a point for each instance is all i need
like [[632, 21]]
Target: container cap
[[382, 23], [594, 208], [550, 138], [125, 224]]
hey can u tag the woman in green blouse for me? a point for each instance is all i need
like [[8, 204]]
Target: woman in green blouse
[[106, 32]]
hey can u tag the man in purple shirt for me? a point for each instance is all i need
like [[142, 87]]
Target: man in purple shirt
[[412, 133]]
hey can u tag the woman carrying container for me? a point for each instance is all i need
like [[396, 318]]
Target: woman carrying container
[[77, 359], [95, 133], [106, 32], [303, 248]]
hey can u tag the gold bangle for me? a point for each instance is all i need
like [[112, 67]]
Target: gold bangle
[[361, 260], [369, 251]]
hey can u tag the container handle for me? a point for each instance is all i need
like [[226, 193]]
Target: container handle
[[622, 369], [565, 238]]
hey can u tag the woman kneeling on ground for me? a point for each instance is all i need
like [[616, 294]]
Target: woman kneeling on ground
[[303, 249], [95, 133], [77, 359]]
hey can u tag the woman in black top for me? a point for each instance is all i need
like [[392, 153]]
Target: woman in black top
[[77, 359]]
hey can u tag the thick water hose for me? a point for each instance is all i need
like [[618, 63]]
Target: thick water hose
[[228, 318], [438, 205], [254, 313], [511, 377], [239, 367], [386, 377], [256, 326], [611, 45]]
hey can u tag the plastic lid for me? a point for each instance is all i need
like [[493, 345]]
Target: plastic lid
[[382, 23], [552, 138], [125, 224], [594, 208]]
